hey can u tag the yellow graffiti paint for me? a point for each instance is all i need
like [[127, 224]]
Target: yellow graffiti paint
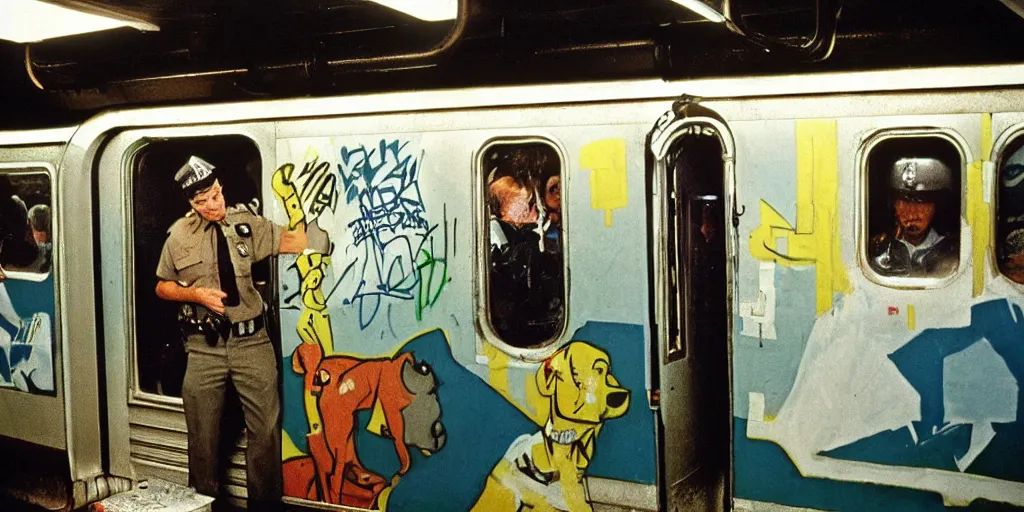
[[978, 210], [288, 448], [607, 161], [911, 317], [377, 419], [497, 370], [536, 404], [815, 238], [312, 154]]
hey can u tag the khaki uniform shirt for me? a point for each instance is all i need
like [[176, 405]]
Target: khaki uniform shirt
[[189, 256]]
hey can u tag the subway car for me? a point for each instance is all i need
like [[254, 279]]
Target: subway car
[[771, 293]]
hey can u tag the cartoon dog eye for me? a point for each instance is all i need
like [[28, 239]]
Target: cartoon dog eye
[[423, 368], [322, 378]]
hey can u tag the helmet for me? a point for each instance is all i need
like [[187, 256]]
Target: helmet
[[920, 175]]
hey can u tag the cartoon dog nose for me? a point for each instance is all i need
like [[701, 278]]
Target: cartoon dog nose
[[617, 398]]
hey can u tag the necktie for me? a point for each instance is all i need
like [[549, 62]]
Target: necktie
[[226, 270]]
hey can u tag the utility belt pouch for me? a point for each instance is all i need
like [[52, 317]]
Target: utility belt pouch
[[196, 319]]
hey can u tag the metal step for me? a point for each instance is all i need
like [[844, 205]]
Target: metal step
[[155, 495]]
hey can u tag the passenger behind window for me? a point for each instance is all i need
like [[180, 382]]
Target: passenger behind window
[[22, 252], [526, 264], [1010, 218], [918, 188], [39, 222]]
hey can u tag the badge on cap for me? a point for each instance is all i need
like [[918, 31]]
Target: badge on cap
[[243, 230], [193, 172], [242, 250], [909, 173]]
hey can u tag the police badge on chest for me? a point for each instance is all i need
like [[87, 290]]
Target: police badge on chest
[[244, 231]]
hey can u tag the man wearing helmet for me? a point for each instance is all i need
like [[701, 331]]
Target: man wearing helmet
[[914, 248], [206, 267]]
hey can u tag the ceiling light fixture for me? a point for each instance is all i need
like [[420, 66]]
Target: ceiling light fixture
[[28, 21], [426, 10], [713, 10]]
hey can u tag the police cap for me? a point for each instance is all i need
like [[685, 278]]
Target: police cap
[[920, 175], [195, 176]]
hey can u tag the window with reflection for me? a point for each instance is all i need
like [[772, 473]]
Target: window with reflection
[[1009, 240], [695, 243], [526, 281], [913, 207], [27, 301], [156, 203]]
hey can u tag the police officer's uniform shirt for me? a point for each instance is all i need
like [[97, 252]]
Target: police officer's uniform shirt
[[189, 255]]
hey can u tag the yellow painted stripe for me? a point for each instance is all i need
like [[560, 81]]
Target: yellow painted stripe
[[817, 165], [978, 210], [911, 317]]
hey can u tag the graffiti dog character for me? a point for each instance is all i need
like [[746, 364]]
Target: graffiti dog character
[[402, 388], [544, 471]]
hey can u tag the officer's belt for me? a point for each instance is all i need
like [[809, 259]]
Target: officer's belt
[[194, 323], [247, 327]]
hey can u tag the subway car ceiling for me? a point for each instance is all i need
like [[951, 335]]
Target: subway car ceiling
[[230, 50]]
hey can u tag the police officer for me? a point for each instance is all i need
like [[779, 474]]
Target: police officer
[[914, 247], [206, 266]]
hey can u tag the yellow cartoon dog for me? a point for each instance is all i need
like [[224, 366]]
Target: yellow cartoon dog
[[544, 471]]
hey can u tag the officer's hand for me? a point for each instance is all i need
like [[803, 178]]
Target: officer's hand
[[212, 298]]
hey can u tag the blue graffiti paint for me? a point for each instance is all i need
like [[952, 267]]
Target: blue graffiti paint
[[924, 362], [765, 473], [391, 228]]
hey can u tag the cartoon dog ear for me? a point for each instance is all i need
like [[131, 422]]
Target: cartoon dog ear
[[548, 372], [418, 377], [306, 358]]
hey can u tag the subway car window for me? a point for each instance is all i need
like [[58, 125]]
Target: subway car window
[[1009, 240], [27, 304], [526, 281], [156, 204], [913, 207]]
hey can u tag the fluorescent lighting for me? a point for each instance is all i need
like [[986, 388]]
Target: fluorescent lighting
[[426, 10], [702, 9], [26, 21]]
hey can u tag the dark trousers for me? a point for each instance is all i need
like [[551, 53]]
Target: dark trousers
[[251, 366]]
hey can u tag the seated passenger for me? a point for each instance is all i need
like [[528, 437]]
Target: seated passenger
[[914, 248], [526, 267]]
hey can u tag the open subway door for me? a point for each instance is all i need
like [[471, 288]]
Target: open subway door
[[691, 158]]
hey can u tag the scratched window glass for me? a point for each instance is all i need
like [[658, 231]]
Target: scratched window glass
[[526, 281], [1009, 240], [913, 198], [156, 203]]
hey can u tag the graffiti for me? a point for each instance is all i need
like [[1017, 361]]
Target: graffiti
[[545, 470], [398, 257], [402, 389], [316, 189], [26, 353]]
